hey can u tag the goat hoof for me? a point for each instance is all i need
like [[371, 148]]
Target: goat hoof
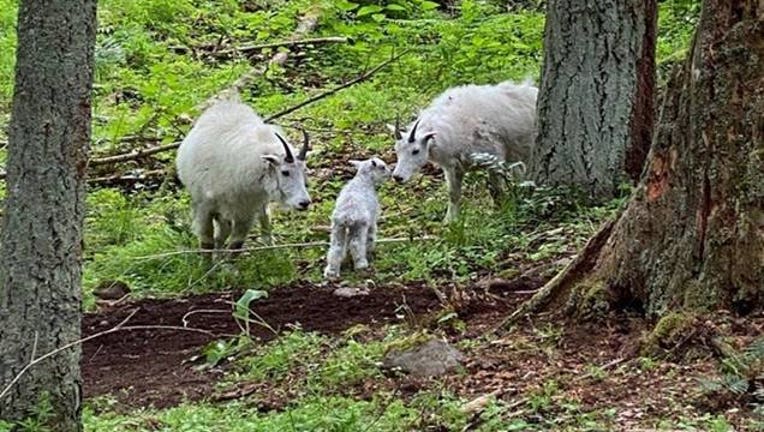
[[331, 273]]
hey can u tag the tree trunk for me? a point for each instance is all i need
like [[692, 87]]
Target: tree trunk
[[40, 265], [595, 109], [692, 235]]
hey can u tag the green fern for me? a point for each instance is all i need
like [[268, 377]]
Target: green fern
[[742, 374]]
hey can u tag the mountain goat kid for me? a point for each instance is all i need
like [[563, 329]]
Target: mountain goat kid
[[464, 121], [354, 221], [233, 165]]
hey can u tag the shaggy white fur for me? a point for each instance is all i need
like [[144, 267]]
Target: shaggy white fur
[[233, 165], [354, 220], [494, 119]]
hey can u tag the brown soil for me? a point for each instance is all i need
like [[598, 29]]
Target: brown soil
[[592, 366], [147, 367]]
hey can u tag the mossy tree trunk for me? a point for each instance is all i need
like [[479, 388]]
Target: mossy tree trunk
[[692, 235], [41, 254], [595, 108]]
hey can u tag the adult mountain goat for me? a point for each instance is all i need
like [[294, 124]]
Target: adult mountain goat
[[233, 165], [464, 121]]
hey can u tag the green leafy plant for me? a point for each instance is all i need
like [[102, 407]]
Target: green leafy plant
[[742, 375]]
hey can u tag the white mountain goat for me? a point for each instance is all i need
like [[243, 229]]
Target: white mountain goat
[[233, 165], [464, 121], [354, 221]]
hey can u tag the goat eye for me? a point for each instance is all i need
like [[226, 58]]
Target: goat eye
[[415, 152], [285, 173]]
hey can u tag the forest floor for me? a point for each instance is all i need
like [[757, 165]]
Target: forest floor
[[547, 376], [305, 359]]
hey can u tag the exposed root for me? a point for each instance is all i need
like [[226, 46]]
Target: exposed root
[[562, 284]]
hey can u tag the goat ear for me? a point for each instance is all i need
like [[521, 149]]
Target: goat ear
[[395, 131], [355, 163], [272, 160]]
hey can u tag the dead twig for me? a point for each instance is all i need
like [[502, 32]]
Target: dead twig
[[119, 327], [137, 154], [33, 361], [272, 247], [127, 178], [318, 97], [244, 49]]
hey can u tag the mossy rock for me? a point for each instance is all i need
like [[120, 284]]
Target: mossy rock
[[405, 343], [669, 333], [589, 300]]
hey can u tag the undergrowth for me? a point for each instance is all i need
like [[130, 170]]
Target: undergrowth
[[152, 69]]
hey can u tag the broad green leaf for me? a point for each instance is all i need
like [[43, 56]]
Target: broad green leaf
[[396, 8], [368, 10], [447, 317], [428, 5], [346, 6], [242, 306]]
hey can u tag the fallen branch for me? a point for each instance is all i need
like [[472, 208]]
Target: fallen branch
[[272, 247], [537, 271], [135, 154], [288, 43], [119, 327], [153, 150], [307, 24], [125, 178], [318, 97]]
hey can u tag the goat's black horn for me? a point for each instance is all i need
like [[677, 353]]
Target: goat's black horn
[[397, 132], [412, 136], [305, 146], [289, 158]]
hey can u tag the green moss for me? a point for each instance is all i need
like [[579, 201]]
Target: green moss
[[589, 299], [668, 332], [407, 342]]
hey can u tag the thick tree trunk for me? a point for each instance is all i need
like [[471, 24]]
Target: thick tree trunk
[[595, 109], [692, 236], [40, 266]]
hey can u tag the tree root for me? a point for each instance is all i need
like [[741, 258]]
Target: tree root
[[561, 284]]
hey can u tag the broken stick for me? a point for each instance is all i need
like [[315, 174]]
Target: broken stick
[[244, 49]]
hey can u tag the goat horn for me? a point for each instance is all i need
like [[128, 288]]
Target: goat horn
[[413, 132], [397, 132], [305, 146], [289, 158]]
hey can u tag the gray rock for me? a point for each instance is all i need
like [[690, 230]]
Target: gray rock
[[435, 357], [350, 292]]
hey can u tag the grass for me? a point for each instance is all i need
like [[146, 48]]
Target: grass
[[145, 87], [148, 88]]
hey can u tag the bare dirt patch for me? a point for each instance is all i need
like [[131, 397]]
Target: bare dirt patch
[[584, 369], [147, 367]]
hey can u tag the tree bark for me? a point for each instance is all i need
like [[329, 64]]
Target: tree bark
[[595, 108], [41, 253], [692, 235]]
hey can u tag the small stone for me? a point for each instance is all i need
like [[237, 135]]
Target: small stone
[[350, 292], [435, 357], [111, 290]]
